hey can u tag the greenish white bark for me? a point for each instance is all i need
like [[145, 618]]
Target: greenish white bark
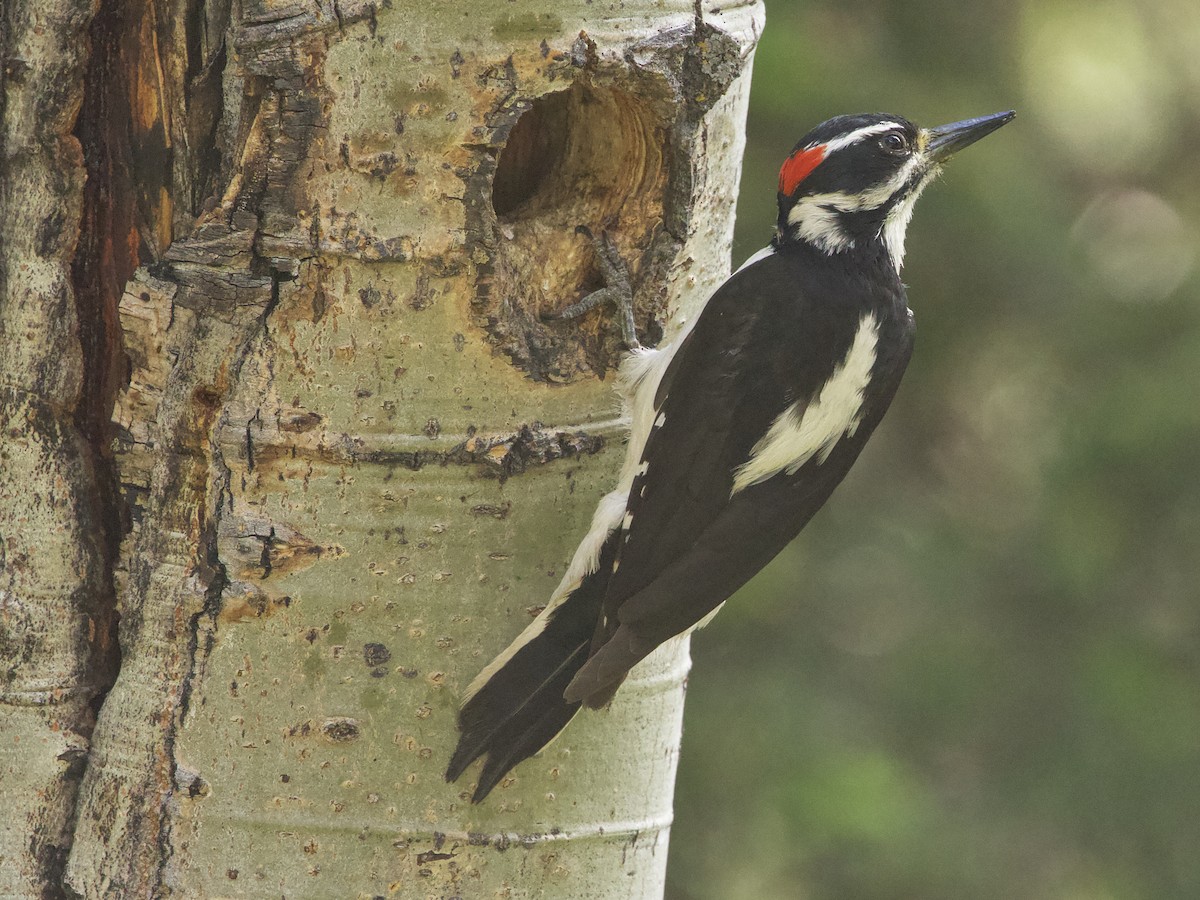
[[353, 458]]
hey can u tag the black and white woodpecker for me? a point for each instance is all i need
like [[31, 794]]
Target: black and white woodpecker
[[741, 429]]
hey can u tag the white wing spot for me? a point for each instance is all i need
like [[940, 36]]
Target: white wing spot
[[800, 433]]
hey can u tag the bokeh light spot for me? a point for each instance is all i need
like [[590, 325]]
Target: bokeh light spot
[[1095, 83], [1140, 248]]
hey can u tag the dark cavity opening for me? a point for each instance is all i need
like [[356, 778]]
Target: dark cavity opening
[[534, 151], [591, 155]]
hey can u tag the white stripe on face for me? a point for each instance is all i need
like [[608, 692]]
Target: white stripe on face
[[857, 135], [816, 217]]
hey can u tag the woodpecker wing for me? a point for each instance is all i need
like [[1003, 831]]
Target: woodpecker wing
[[693, 533]]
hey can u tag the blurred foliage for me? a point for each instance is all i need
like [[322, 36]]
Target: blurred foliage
[[977, 673]]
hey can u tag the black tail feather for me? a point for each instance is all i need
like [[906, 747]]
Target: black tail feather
[[521, 706], [529, 730], [501, 719]]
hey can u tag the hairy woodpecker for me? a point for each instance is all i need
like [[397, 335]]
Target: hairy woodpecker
[[741, 428]]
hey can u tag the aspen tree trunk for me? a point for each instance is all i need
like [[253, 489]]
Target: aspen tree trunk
[[347, 459]]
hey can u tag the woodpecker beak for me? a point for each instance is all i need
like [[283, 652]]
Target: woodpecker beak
[[946, 140]]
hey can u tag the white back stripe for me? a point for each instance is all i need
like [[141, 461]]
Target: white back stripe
[[800, 433]]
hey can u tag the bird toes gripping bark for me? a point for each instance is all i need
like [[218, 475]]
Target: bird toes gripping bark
[[617, 290]]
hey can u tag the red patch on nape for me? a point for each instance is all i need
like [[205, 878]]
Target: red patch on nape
[[798, 166]]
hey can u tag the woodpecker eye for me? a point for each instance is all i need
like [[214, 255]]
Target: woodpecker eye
[[894, 142]]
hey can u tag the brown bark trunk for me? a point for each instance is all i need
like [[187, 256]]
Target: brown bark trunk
[[54, 620]]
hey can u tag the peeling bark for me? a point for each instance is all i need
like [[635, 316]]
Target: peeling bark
[[349, 454], [52, 619]]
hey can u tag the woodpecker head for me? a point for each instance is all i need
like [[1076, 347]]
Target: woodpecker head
[[852, 181]]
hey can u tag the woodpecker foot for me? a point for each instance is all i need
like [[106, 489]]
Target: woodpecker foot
[[617, 290]]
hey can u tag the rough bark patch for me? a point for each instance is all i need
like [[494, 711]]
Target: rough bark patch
[[611, 152]]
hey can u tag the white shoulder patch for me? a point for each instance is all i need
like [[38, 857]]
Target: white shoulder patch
[[762, 254], [800, 433]]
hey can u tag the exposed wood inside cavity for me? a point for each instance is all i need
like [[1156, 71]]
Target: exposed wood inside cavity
[[587, 156]]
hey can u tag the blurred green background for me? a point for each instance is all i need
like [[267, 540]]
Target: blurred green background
[[977, 673]]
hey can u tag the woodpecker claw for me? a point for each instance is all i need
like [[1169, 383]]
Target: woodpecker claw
[[618, 288]]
